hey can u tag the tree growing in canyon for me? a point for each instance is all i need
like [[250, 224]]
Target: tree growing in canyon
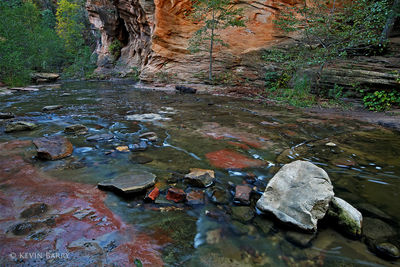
[[214, 15]]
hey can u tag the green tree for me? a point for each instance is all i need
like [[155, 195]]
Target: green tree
[[27, 43], [214, 15], [70, 26]]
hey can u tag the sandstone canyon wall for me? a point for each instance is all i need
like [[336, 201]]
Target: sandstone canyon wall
[[154, 35]]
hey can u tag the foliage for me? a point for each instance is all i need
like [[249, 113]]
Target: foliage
[[27, 42], [115, 48], [380, 100], [213, 15], [70, 27]]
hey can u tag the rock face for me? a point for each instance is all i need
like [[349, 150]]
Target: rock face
[[20, 126], [299, 194], [154, 38], [53, 148], [131, 183], [348, 218]]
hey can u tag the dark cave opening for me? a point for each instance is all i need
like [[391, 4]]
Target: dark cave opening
[[122, 32]]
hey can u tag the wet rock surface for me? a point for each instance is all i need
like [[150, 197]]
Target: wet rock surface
[[129, 183], [299, 194], [242, 194], [200, 177], [176, 195], [6, 115], [348, 218], [100, 137], [52, 108], [76, 129], [18, 126], [53, 148]]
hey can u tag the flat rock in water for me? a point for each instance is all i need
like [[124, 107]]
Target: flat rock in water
[[53, 148], [45, 77], [130, 183], [100, 137], [50, 108], [298, 194], [139, 159], [20, 126], [6, 115], [151, 136], [348, 218], [200, 177], [76, 129]]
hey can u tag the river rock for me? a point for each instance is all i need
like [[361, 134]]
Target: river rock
[[220, 196], [242, 194], [151, 136], [195, 197], [53, 147], [298, 194], [45, 77], [130, 183], [387, 250], [377, 230], [6, 115], [153, 194], [141, 146], [50, 108], [242, 213], [76, 129], [200, 177], [20, 126], [176, 195], [302, 240], [348, 218], [100, 137], [35, 210]]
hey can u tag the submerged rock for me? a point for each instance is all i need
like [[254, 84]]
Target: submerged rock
[[76, 129], [200, 177], [176, 195], [122, 148], [348, 218], [53, 147], [149, 117], [299, 194], [195, 197], [53, 107], [140, 159], [131, 183], [185, 89], [20, 126], [6, 115], [242, 194], [220, 196], [242, 213], [302, 240], [387, 250], [141, 146], [151, 136], [228, 159], [100, 137], [34, 210]]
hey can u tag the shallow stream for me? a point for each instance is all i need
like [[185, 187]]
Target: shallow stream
[[242, 141]]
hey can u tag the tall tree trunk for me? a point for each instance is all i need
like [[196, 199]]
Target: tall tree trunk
[[390, 21], [211, 47]]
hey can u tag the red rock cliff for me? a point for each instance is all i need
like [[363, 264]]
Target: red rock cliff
[[155, 34]]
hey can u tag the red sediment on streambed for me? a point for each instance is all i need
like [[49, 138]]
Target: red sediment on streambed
[[74, 221], [228, 159]]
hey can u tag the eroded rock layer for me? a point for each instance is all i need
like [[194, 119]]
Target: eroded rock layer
[[154, 38]]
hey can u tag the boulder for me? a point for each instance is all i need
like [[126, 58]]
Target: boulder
[[6, 115], [348, 218], [76, 129], [130, 183], [53, 147], [50, 108], [200, 177], [299, 194], [20, 126]]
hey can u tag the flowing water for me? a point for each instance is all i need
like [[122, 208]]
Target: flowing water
[[243, 141]]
